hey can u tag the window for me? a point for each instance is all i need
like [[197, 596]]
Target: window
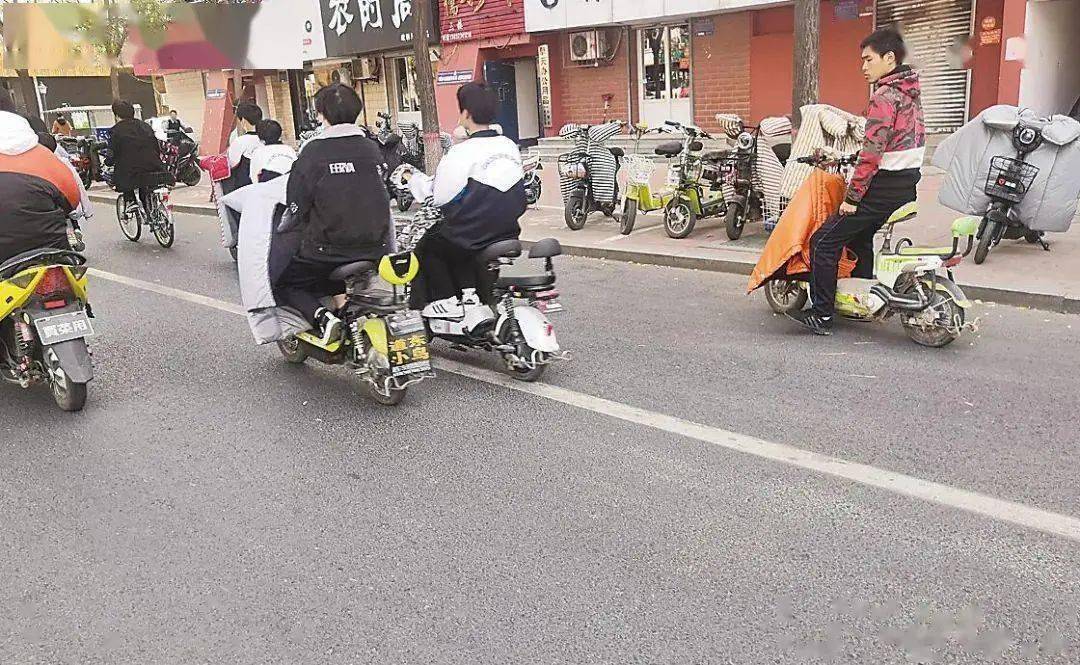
[[665, 62], [405, 70]]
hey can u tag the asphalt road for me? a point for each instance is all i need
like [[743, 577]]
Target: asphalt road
[[214, 505]]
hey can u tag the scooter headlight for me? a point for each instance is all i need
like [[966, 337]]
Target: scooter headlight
[[580, 171]]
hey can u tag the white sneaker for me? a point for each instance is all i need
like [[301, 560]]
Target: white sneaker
[[330, 324], [447, 308]]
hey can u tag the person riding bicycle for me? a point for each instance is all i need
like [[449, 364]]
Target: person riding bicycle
[[886, 174], [39, 191], [273, 158], [242, 144], [337, 205], [480, 190], [136, 156]]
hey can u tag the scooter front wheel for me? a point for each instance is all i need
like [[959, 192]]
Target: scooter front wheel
[[574, 211], [629, 216], [986, 241], [679, 219], [734, 221]]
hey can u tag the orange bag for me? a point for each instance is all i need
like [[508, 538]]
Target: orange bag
[[787, 252]]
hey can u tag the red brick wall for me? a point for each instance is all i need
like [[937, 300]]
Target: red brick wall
[[721, 70], [578, 91], [841, 83]]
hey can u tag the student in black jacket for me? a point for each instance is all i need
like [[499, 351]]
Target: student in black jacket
[[339, 206], [136, 154]]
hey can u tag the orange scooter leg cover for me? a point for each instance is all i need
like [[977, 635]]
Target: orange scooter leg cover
[[787, 251]]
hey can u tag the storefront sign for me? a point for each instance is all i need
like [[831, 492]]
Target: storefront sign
[[704, 27], [542, 15], [356, 27], [846, 10], [988, 37], [543, 73], [464, 20], [314, 44], [454, 76]]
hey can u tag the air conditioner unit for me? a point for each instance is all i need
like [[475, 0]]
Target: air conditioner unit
[[588, 45], [366, 69], [342, 75]]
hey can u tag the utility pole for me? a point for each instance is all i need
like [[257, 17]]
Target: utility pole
[[805, 68], [425, 84]]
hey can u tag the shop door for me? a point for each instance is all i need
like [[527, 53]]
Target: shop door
[[502, 77], [664, 66], [408, 102], [931, 29]]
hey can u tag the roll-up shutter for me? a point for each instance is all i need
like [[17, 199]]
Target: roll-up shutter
[[930, 28]]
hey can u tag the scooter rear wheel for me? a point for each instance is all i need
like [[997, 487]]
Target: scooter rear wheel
[[292, 350], [785, 296], [629, 215]]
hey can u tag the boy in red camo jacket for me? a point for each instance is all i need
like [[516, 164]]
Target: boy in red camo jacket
[[885, 176]]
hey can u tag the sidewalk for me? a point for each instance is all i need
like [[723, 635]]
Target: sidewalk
[[1016, 273]]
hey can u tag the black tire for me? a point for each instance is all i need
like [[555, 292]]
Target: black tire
[[679, 219], [233, 252], [164, 229], [785, 296], [292, 350], [937, 336], [986, 241], [1032, 237], [191, 174], [629, 216], [70, 397], [393, 398], [734, 221], [404, 202], [531, 375], [608, 209], [574, 211], [130, 226]]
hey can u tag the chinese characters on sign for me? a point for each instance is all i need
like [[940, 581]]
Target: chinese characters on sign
[[353, 27], [543, 72]]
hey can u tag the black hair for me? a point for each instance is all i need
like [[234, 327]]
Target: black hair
[[48, 140], [339, 104], [174, 111], [884, 40], [269, 131], [250, 112], [37, 124], [61, 119], [479, 100], [123, 110]]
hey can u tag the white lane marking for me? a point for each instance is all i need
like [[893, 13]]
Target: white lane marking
[[1065, 526], [205, 301]]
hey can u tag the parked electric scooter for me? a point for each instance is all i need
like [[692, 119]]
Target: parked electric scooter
[[695, 178], [587, 174], [908, 280], [639, 194], [394, 155], [530, 163], [1006, 184]]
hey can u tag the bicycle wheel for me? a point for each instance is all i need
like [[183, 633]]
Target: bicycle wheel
[[164, 230], [130, 224]]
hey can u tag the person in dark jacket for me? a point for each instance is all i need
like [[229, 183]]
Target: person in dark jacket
[[136, 155], [479, 188], [887, 171], [338, 205], [38, 190]]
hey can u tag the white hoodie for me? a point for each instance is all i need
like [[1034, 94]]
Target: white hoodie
[[16, 136]]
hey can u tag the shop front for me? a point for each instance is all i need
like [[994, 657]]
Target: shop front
[[487, 41]]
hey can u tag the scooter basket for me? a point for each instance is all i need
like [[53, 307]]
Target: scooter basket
[[1009, 179], [639, 169]]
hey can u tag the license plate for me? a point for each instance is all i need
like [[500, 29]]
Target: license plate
[[63, 328], [409, 354]]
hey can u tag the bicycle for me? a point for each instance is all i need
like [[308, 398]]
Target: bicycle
[[154, 213]]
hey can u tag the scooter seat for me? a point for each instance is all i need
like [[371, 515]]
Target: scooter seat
[[903, 213], [925, 251], [524, 281], [358, 269], [503, 248], [669, 149], [716, 155], [618, 152]]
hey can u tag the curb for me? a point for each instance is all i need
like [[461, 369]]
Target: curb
[[1040, 301]]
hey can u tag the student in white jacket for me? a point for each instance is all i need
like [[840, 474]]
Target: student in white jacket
[[272, 158]]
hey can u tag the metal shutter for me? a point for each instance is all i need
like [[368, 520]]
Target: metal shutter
[[930, 27]]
